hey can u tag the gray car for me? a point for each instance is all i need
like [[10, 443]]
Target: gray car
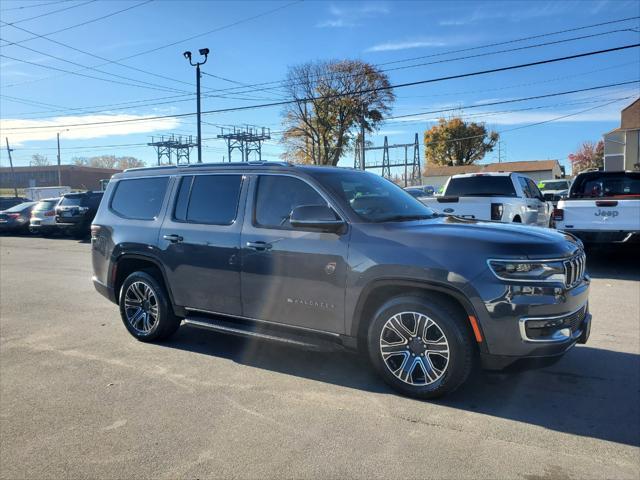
[[325, 257]]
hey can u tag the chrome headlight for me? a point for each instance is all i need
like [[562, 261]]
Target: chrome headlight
[[528, 271]]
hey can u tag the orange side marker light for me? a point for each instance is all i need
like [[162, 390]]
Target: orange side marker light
[[476, 328]]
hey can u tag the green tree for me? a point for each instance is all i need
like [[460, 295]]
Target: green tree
[[456, 142], [332, 99], [38, 160]]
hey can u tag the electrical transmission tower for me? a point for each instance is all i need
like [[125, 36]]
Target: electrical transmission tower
[[246, 140], [411, 163], [173, 146]]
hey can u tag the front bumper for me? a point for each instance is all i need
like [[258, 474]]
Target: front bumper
[[104, 290]]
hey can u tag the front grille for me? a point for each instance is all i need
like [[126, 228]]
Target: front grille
[[574, 269], [574, 321]]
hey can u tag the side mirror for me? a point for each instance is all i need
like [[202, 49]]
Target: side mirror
[[316, 217]]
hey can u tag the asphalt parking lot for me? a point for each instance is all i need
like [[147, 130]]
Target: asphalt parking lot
[[80, 398]]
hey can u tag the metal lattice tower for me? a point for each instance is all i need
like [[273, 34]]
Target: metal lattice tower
[[179, 145], [245, 139], [412, 170]]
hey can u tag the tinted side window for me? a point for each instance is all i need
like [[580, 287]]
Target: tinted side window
[[525, 187], [277, 196], [139, 198], [210, 199]]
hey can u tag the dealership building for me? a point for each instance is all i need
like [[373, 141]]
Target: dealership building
[[75, 176]]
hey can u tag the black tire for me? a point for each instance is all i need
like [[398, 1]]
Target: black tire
[[166, 322], [517, 219], [450, 322]]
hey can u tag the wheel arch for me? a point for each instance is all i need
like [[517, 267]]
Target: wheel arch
[[376, 293], [127, 263]]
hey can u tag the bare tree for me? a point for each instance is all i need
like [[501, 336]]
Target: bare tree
[[38, 160], [332, 99]]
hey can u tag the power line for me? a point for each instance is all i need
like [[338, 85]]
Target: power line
[[215, 30], [23, 7], [52, 12], [514, 100], [517, 40], [390, 87]]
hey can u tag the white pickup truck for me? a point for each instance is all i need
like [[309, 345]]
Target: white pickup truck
[[502, 196], [602, 207]]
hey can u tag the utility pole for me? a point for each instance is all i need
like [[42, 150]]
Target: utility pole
[[59, 170], [204, 52], [13, 175], [364, 111]]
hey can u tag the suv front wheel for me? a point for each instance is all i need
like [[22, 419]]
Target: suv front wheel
[[420, 346], [145, 308]]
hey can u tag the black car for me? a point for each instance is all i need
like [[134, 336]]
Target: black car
[[16, 219], [324, 256], [75, 212], [8, 202]]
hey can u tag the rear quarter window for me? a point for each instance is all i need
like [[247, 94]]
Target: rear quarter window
[[139, 198]]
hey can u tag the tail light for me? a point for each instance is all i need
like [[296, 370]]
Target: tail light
[[95, 231], [496, 211], [558, 214], [14, 216], [50, 213]]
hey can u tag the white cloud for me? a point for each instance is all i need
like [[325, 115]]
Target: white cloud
[[348, 16], [51, 126], [406, 45], [511, 14], [382, 133]]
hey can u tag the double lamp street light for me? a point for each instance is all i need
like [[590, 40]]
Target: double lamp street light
[[205, 53]]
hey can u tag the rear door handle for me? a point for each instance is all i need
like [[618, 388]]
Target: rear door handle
[[259, 245], [173, 238]]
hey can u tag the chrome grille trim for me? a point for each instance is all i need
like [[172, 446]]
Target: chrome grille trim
[[574, 269]]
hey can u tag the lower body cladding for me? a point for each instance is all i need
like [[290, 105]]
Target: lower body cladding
[[531, 322], [604, 237]]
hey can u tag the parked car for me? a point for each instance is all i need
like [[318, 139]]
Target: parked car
[[8, 202], [554, 190], [602, 207], [325, 256], [16, 218], [43, 217], [75, 212], [505, 197]]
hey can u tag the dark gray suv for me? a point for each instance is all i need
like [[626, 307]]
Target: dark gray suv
[[319, 256]]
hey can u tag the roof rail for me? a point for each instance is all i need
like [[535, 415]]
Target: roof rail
[[215, 164]]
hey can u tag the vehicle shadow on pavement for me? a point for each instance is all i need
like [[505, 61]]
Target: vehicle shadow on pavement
[[589, 392]]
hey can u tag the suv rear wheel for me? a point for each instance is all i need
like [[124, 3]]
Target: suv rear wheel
[[420, 346], [145, 308]]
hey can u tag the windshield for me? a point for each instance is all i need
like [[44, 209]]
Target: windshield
[[606, 184], [20, 207], [371, 197], [481, 186], [45, 205], [553, 185], [72, 200]]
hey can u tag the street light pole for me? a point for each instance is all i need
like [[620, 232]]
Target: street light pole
[[204, 52], [59, 170]]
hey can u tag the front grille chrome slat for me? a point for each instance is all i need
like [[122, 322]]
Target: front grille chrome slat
[[574, 269]]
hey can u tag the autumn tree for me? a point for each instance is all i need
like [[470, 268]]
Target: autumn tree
[[331, 101], [38, 160], [456, 142], [589, 155]]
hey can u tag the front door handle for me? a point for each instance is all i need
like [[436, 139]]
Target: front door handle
[[259, 245], [173, 238]]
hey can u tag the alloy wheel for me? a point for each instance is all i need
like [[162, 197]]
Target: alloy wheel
[[141, 307], [414, 348]]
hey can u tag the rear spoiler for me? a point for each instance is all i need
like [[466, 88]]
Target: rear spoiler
[[448, 199]]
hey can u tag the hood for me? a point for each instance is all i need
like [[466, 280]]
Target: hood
[[490, 239]]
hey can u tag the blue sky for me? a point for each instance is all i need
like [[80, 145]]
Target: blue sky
[[255, 42]]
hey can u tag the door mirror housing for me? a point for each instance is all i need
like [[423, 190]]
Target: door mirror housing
[[316, 217]]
